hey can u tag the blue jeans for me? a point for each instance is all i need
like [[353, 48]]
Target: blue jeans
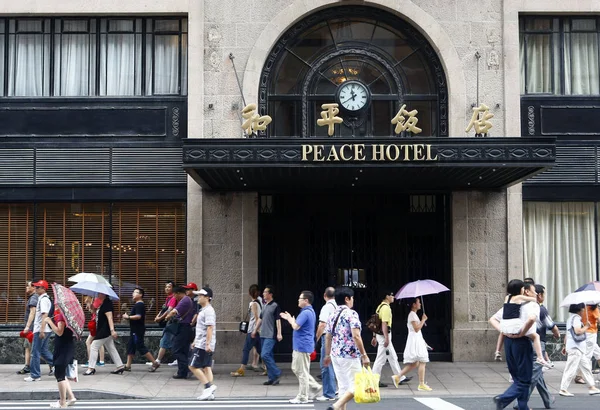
[[267, 346], [249, 343], [519, 359], [537, 381], [39, 347], [329, 384]]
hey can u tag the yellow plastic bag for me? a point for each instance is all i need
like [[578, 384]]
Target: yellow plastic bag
[[366, 386]]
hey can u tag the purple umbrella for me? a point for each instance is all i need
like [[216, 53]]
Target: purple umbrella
[[420, 288]]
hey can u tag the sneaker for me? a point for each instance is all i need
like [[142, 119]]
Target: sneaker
[[497, 356], [238, 373], [209, 391], [100, 364], [173, 363], [405, 379], [593, 391], [396, 380], [86, 365], [547, 365], [32, 379], [424, 387], [325, 398], [296, 400], [56, 405], [24, 370], [579, 380], [212, 397], [51, 372], [565, 393]]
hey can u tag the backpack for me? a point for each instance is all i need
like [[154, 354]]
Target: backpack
[[374, 322]]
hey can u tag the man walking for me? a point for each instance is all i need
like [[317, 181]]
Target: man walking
[[205, 343], [343, 346], [183, 313], [137, 331], [385, 349], [41, 332], [327, 372], [30, 307], [519, 352], [269, 325], [303, 342]]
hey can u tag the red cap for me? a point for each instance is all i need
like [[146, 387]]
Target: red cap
[[40, 284], [191, 285]]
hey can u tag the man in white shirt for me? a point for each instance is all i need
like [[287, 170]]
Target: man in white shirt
[[39, 347], [205, 343], [327, 373], [518, 349]]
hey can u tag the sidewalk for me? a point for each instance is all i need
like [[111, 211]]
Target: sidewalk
[[447, 379]]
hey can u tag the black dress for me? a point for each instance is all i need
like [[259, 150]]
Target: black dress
[[64, 348]]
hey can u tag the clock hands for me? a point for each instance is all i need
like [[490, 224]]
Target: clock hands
[[351, 98]]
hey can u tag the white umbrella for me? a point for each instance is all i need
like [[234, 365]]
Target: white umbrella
[[93, 288], [89, 277], [588, 297]]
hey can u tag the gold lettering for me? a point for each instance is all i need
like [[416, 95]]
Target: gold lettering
[[358, 152], [429, 158], [306, 149], [344, 157], [406, 149], [318, 153], [378, 152], [418, 152], [388, 152], [333, 156]]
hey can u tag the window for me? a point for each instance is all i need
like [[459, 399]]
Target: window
[[93, 57], [320, 53], [559, 55], [130, 244], [560, 248]]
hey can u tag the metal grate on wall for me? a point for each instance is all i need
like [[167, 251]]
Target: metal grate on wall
[[574, 165], [91, 166]]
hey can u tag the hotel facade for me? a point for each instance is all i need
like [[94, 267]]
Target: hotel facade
[[201, 141]]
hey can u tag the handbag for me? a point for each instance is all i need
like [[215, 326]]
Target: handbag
[[366, 386], [577, 338], [174, 323], [71, 372]]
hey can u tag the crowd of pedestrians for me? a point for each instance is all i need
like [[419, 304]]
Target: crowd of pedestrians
[[189, 320], [526, 362]]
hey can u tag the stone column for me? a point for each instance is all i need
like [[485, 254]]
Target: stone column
[[479, 240]]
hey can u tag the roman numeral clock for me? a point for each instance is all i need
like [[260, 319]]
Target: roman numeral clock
[[353, 97]]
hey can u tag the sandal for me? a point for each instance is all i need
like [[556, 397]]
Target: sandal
[[57, 405], [71, 402]]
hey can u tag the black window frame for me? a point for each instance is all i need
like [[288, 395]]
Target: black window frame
[[557, 27], [53, 28]]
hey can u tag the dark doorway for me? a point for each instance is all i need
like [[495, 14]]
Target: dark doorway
[[370, 242]]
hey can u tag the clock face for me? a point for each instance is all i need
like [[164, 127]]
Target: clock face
[[353, 95]]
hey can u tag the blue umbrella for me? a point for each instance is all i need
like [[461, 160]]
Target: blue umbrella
[[590, 286], [93, 288]]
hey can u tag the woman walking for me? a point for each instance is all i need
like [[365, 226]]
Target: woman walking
[[252, 337], [105, 335], [415, 352], [64, 352], [576, 352], [92, 306]]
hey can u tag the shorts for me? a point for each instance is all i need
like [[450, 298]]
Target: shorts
[[201, 358], [345, 370], [136, 344], [166, 341]]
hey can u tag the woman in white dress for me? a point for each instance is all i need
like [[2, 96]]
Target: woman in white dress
[[415, 352]]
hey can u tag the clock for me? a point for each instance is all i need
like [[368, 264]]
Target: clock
[[353, 96]]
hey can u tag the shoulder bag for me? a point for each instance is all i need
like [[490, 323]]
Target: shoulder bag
[[244, 323], [174, 323], [577, 338]]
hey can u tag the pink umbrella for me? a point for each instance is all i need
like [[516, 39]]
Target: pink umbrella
[[420, 288], [68, 304]]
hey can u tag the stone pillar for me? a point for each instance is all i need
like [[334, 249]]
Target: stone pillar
[[229, 263], [479, 240]]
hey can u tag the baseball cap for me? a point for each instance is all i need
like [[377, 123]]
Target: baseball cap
[[40, 284], [191, 285], [204, 291]]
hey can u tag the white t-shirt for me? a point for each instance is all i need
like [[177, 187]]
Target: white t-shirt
[[206, 317], [43, 306], [327, 310], [574, 321], [527, 309]]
